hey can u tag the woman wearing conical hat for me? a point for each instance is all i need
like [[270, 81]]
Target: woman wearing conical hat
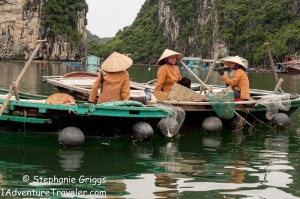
[[168, 74], [114, 81], [239, 82]]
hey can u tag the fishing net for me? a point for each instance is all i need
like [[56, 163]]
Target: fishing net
[[222, 103], [275, 102], [170, 126]]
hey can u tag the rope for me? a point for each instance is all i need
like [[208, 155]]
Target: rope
[[87, 114]]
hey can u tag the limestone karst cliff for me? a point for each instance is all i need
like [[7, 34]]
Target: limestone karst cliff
[[198, 27], [22, 22]]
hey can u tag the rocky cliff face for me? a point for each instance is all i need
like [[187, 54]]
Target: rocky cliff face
[[20, 27], [206, 20]]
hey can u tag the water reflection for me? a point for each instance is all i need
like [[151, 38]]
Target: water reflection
[[263, 164], [70, 160], [142, 151]]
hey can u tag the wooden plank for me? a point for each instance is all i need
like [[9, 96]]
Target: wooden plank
[[25, 119], [181, 93]]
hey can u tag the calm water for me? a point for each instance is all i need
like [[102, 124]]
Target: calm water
[[260, 164]]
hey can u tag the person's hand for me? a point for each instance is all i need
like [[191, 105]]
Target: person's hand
[[221, 72]]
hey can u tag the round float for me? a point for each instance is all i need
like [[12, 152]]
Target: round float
[[212, 123], [141, 132], [71, 137], [281, 120]]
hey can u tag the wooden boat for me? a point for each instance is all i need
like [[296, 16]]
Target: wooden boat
[[42, 113], [79, 85], [74, 64], [290, 67]]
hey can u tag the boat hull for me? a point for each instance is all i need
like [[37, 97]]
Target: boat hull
[[90, 118]]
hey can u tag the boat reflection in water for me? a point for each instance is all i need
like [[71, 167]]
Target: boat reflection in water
[[271, 170], [70, 160], [231, 175]]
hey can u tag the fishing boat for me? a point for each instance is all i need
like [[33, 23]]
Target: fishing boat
[[293, 66], [74, 64], [261, 107], [60, 110], [79, 85]]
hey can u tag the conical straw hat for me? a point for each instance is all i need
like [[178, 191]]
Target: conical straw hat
[[168, 53], [116, 62], [235, 59]]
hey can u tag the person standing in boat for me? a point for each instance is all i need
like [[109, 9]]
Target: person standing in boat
[[239, 81], [168, 74], [113, 80]]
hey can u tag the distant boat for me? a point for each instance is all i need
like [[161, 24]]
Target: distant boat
[[75, 64], [280, 69], [291, 67], [90, 63]]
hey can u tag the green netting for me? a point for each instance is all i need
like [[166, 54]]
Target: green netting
[[223, 104]]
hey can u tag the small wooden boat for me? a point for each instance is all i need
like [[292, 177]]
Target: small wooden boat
[[290, 67], [79, 85], [42, 112], [74, 64], [293, 69]]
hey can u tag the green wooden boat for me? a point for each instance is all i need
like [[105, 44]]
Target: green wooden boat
[[32, 110]]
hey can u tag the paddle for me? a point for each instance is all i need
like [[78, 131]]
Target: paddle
[[14, 85], [214, 63], [209, 88], [195, 76]]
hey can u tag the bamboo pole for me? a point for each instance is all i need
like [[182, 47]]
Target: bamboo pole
[[195, 76], [210, 89], [15, 84], [267, 44], [214, 63]]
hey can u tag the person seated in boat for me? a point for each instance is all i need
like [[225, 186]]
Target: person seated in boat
[[239, 81], [168, 74], [113, 80]]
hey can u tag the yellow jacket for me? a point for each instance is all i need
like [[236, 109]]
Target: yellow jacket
[[116, 87], [240, 81], [167, 75]]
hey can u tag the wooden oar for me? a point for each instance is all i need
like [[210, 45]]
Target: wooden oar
[[214, 63], [195, 76], [14, 85], [209, 88]]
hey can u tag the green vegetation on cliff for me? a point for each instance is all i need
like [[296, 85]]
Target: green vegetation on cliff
[[243, 26], [246, 25], [59, 18], [144, 39]]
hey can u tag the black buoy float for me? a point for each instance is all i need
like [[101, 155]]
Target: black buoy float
[[281, 120], [237, 123], [168, 126], [212, 123], [142, 132], [71, 137]]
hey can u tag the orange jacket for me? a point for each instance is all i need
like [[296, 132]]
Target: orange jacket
[[167, 75], [116, 87], [240, 81]]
